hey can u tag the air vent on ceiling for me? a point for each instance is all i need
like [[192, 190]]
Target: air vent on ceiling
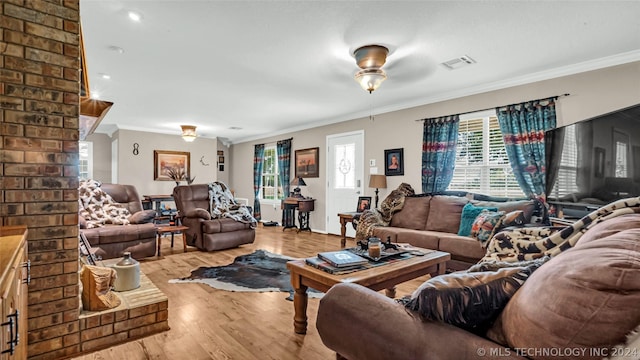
[[235, 128], [459, 62]]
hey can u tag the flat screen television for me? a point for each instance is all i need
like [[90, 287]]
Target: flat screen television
[[593, 162]]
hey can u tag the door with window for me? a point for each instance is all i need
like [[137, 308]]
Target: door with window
[[345, 177]]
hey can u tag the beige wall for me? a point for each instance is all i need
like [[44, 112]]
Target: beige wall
[[592, 93], [137, 170], [101, 156], [224, 174]]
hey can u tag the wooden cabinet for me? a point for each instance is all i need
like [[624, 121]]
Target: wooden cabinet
[[14, 278]]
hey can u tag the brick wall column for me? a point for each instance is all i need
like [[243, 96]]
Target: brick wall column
[[39, 111]]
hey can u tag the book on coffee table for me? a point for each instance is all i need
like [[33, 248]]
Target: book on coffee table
[[342, 258], [320, 264]]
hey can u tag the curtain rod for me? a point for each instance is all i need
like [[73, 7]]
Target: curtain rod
[[493, 108]]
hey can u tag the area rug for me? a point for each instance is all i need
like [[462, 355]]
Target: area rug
[[260, 271]]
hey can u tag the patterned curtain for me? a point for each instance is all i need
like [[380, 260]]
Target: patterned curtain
[[258, 157], [523, 127], [439, 141], [284, 164]]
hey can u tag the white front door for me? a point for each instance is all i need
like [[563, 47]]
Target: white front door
[[345, 177]]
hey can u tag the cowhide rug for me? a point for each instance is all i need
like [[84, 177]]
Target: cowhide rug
[[260, 271]]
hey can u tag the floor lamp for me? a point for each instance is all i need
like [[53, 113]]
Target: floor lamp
[[378, 182]]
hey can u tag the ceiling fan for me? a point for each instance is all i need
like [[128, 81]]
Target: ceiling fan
[[370, 59]]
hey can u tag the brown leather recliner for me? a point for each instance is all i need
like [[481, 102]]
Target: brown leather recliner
[[138, 238], [205, 233]]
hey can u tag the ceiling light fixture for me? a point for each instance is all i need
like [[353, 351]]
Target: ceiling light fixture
[[370, 59], [188, 132], [135, 16]]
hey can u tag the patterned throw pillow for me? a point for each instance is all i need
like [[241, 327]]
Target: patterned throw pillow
[[470, 301], [484, 225], [469, 213], [514, 218]]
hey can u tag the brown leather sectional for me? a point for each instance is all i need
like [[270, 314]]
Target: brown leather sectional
[[138, 238], [432, 222], [579, 305]]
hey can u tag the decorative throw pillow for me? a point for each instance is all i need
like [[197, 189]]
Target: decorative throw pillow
[[142, 217], [514, 218], [470, 301], [485, 224], [469, 213]]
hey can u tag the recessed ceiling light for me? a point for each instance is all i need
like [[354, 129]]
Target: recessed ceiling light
[[95, 95], [135, 16], [105, 76], [117, 49]]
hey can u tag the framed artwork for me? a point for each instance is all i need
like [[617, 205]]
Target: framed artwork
[[163, 161], [598, 159], [394, 162], [221, 152], [307, 163], [220, 159], [364, 203]]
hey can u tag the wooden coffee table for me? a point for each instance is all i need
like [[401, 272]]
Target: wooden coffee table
[[381, 277]]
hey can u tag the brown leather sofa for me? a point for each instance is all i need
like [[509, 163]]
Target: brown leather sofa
[[205, 233], [432, 222], [578, 305], [138, 238]]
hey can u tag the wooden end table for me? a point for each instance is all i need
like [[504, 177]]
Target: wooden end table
[[161, 230], [344, 219], [385, 277]]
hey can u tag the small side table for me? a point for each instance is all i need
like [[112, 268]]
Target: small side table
[[161, 230], [304, 207], [344, 219]]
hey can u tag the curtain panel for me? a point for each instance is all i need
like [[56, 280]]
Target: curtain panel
[[258, 158], [283, 149], [523, 127], [439, 141]]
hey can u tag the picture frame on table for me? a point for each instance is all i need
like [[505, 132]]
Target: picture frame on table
[[306, 163], [394, 162], [164, 161], [364, 203]]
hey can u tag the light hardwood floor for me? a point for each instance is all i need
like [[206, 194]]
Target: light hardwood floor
[[207, 323]]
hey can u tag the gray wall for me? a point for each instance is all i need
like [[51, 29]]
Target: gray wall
[[592, 93], [101, 156]]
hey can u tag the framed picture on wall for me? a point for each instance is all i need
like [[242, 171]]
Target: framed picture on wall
[[394, 162], [307, 163], [165, 161]]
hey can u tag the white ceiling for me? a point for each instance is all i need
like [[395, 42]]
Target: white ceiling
[[269, 67]]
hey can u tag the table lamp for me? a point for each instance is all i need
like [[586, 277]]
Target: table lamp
[[297, 182], [378, 182]]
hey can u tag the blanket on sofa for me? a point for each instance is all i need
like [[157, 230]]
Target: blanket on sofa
[[222, 204], [381, 217], [98, 207], [526, 244]]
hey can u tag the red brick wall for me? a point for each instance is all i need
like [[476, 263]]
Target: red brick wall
[[39, 107]]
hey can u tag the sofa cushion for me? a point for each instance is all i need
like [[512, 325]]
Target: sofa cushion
[[110, 234], [485, 224], [586, 297], [420, 238], [445, 213], [460, 246], [413, 214], [223, 225], [142, 217], [469, 214], [468, 300], [527, 206]]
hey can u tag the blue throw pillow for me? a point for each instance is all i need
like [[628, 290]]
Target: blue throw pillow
[[469, 214]]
